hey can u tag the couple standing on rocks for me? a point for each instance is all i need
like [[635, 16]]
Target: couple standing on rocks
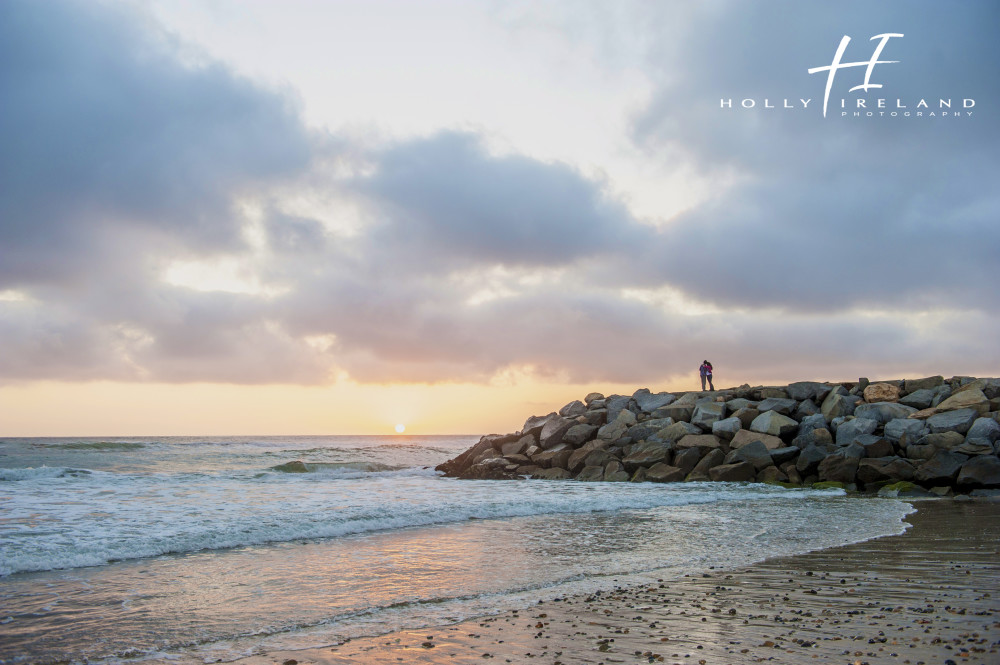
[[706, 373]]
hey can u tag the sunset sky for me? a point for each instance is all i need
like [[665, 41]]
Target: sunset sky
[[223, 217]]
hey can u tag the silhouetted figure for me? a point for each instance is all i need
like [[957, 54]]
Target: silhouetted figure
[[706, 373]]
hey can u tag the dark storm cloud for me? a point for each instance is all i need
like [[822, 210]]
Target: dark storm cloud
[[103, 129], [831, 213]]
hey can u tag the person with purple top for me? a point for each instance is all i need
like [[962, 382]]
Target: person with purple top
[[706, 373]]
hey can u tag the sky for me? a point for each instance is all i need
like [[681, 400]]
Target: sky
[[222, 217]]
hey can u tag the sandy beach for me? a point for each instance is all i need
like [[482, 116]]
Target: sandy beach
[[931, 595]]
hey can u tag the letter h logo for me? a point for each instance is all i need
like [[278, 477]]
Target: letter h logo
[[870, 65]]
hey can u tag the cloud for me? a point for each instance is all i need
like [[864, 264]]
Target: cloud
[[834, 246]]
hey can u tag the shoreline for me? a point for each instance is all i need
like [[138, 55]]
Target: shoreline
[[929, 595]]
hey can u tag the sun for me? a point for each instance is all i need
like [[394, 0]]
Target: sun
[[400, 429]]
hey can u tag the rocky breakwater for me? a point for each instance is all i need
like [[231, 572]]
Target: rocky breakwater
[[928, 435]]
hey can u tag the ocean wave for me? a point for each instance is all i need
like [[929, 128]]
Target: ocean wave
[[37, 473], [134, 532], [339, 469], [98, 445]]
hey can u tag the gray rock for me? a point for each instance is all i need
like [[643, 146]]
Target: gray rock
[[616, 404], [940, 395], [593, 397], [579, 434], [809, 460], [773, 423], [756, 453], [912, 428], [614, 473], [912, 385], [743, 437], [783, 455], [649, 402], [687, 459], [773, 392], [808, 390], [852, 429], [980, 472], [707, 463], [534, 424], [735, 405], [942, 468], [746, 415], [679, 412], [552, 474], [678, 431], [556, 457], [739, 472], [942, 440], [663, 473], [783, 406], [591, 474], [703, 442], [707, 414], [984, 428], [918, 399], [573, 409], [595, 417], [836, 405], [772, 474], [874, 470], [647, 454], [972, 447], [883, 412], [855, 450], [492, 469], [874, 445], [839, 468], [553, 431], [617, 428], [821, 438], [959, 420], [518, 447], [810, 423], [807, 408], [726, 429]]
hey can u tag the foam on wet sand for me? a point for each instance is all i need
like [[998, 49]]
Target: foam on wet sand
[[930, 595]]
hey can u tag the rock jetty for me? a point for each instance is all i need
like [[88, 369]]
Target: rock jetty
[[912, 436]]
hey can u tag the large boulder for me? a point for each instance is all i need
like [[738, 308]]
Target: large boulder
[[756, 453], [577, 460], [973, 447], [490, 469], [616, 429], [984, 428], [809, 459], [739, 472], [647, 454], [874, 445], [811, 390], [703, 442], [679, 412], [874, 470], [534, 424], [552, 474], [806, 408], [556, 457], [707, 463], [616, 404], [960, 420], [663, 473], [573, 409], [836, 405], [774, 423], [649, 402], [973, 399], [518, 447], [678, 431], [882, 392], [898, 428], [852, 429], [687, 459], [553, 431], [883, 412], [592, 397], [705, 415], [591, 474], [783, 406], [912, 385], [838, 468], [786, 454], [615, 473], [746, 415], [727, 428], [810, 423], [743, 437], [941, 469], [772, 474], [918, 399], [983, 471], [579, 434]]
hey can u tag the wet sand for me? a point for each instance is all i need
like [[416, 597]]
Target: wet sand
[[929, 596]]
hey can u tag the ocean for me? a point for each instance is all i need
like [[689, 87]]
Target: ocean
[[194, 550]]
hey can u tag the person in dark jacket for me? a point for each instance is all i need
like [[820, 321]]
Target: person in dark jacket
[[706, 373]]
